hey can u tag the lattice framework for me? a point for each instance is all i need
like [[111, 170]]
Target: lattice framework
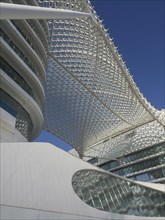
[[90, 94]]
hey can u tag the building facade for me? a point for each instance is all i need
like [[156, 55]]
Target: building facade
[[24, 49], [66, 76], [143, 158]]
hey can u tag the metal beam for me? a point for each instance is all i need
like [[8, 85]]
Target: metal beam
[[15, 11]]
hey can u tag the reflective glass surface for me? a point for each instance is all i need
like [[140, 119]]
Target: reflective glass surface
[[114, 194], [20, 54], [138, 165], [18, 79]]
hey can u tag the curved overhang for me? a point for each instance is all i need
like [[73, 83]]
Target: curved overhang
[[17, 63], [21, 42], [90, 94], [26, 101]]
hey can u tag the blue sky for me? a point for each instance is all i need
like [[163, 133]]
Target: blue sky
[[137, 27]]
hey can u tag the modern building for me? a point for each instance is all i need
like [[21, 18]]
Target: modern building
[[24, 47], [66, 76]]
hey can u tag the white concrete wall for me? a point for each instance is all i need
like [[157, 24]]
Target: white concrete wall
[[36, 184]]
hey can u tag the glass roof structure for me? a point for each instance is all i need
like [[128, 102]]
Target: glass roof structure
[[90, 94]]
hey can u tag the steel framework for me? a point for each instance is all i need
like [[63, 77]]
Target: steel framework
[[90, 94]]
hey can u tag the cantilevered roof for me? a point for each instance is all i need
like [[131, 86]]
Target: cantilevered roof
[[90, 94]]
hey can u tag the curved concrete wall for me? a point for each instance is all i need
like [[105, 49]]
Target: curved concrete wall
[[36, 184]]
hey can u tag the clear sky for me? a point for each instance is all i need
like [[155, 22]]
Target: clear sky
[[137, 27]]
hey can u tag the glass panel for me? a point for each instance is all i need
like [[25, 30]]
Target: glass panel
[[18, 79], [93, 160], [20, 54], [113, 194]]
